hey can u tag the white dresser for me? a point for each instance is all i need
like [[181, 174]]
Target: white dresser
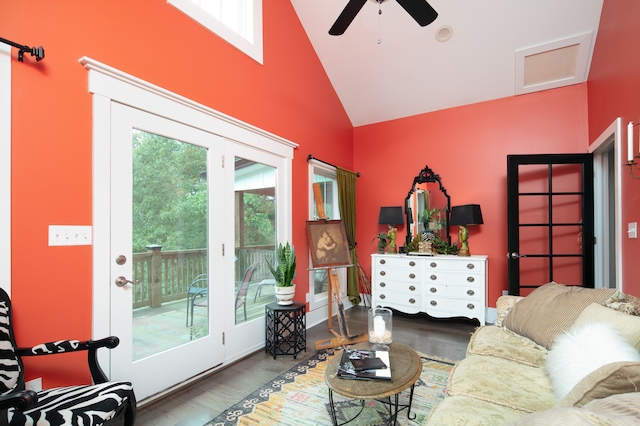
[[442, 286]]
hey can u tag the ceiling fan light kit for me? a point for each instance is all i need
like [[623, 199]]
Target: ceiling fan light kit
[[420, 11]]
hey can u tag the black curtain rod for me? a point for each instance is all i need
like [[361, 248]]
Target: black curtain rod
[[311, 157], [38, 52]]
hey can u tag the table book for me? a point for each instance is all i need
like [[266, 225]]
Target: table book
[[358, 364]]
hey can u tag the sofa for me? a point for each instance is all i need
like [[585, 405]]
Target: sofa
[[563, 355]]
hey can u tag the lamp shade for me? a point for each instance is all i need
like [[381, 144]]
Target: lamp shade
[[468, 214], [391, 216]]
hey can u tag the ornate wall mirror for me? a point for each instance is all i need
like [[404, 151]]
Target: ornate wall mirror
[[428, 207]]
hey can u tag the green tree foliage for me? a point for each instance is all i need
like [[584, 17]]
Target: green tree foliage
[[169, 193]]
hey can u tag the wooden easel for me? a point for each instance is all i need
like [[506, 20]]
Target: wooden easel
[[343, 337]]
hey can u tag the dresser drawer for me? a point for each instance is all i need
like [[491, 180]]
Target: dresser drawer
[[454, 307], [454, 278], [440, 264], [384, 298], [455, 292], [383, 286], [397, 262], [397, 274]]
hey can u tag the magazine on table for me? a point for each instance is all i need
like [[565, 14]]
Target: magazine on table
[[358, 364]]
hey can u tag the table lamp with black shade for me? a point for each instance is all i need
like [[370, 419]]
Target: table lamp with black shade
[[468, 214], [391, 216]]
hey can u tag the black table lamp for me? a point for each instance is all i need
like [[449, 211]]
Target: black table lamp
[[468, 214], [391, 216]]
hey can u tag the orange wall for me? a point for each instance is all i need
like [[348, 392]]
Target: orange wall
[[289, 95], [614, 91], [467, 146]]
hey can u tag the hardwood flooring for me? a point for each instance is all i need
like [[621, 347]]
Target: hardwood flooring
[[203, 400]]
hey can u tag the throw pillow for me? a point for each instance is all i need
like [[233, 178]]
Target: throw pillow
[[550, 310], [612, 379], [583, 350], [627, 325]]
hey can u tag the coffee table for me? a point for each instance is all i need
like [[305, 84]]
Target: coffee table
[[406, 368]]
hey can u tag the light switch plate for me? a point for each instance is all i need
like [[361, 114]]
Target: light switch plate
[[70, 235], [632, 230]]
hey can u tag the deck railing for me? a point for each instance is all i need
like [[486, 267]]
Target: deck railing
[[164, 276]]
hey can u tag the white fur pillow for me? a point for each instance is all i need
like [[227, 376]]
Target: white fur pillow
[[582, 350]]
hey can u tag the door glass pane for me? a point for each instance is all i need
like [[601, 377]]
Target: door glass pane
[[170, 250], [255, 237]]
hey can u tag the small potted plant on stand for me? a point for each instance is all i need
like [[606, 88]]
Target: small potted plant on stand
[[284, 272]]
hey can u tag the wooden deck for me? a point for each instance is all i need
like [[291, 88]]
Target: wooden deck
[[165, 327]]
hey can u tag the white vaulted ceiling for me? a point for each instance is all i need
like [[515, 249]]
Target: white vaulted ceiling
[[385, 66]]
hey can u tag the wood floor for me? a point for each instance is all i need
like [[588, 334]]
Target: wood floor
[[203, 400]]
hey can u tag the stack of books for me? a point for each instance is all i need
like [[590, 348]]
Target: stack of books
[[358, 364]]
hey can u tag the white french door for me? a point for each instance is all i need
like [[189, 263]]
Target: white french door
[[158, 350]]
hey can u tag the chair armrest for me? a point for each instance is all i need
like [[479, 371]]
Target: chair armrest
[[22, 400], [66, 346]]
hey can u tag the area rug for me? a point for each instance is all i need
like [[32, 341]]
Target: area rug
[[301, 397]]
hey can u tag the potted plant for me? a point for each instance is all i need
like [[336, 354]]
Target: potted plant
[[284, 272], [383, 238]]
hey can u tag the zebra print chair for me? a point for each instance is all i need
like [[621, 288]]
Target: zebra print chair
[[102, 403]]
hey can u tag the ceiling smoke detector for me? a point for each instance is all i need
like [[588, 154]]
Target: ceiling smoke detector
[[444, 33]]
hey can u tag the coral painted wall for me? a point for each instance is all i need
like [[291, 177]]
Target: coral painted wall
[[468, 147], [614, 91], [290, 95]]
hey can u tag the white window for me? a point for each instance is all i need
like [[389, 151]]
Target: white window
[[239, 22]]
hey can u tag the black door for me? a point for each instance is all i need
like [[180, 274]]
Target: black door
[[549, 220]]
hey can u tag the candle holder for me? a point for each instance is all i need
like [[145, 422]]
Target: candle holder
[[380, 330]]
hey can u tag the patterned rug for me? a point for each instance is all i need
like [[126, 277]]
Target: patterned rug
[[301, 397]]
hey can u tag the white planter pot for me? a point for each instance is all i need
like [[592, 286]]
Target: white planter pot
[[284, 295]]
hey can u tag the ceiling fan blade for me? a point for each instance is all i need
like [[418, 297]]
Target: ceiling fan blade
[[419, 10], [346, 17]]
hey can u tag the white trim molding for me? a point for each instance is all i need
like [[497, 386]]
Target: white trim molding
[[5, 167]]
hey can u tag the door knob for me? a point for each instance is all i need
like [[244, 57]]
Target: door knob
[[515, 255], [122, 281]]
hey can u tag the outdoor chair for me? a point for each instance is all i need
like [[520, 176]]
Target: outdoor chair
[[241, 295], [198, 289], [103, 403]]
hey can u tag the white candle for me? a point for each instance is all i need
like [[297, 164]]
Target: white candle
[[630, 142], [378, 326]]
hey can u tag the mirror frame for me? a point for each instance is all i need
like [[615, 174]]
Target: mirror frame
[[426, 175]]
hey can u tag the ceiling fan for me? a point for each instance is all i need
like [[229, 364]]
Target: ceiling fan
[[419, 10]]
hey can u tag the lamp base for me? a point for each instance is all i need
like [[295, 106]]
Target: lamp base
[[464, 252], [463, 236]]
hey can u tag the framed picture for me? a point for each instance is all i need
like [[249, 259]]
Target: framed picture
[[328, 244]]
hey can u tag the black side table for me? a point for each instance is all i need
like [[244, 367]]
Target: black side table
[[286, 330]]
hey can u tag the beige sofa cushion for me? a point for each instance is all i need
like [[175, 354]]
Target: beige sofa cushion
[[499, 381], [463, 410], [611, 379], [627, 325], [551, 310], [500, 342], [621, 409]]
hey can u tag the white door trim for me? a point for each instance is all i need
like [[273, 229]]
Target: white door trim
[[612, 135], [5, 167]]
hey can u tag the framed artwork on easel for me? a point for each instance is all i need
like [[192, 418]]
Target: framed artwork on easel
[[328, 244]]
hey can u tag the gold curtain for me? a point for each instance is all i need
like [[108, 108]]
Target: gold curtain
[[347, 203]]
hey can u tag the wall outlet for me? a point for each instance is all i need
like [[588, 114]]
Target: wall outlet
[[34, 385], [505, 292]]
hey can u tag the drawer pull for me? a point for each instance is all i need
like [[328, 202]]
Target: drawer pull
[[382, 296], [382, 284], [433, 264], [412, 263], [412, 301], [382, 261], [470, 279], [412, 276], [433, 277], [433, 290], [471, 292], [470, 306], [434, 303], [383, 273], [412, 287], [470, 266]]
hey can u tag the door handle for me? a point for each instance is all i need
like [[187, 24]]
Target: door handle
[[122, 281], [515, 255]]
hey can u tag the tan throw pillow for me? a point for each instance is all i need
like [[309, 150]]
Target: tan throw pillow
[[611, 379], [627, 325], [551, 310]]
